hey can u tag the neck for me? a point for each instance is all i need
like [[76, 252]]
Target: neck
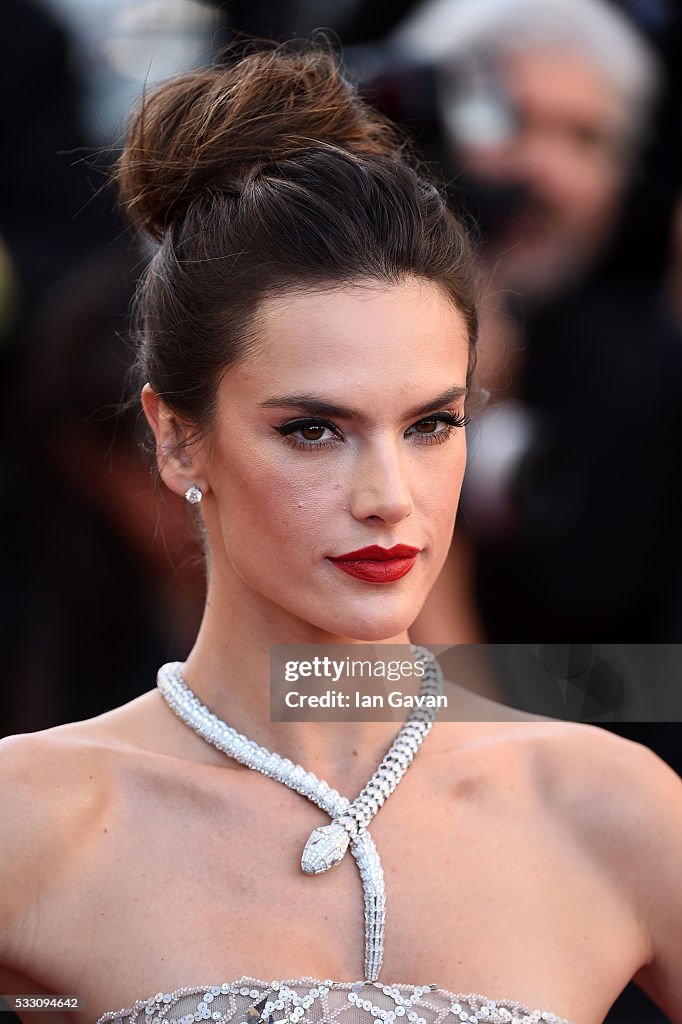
[[229, 670]]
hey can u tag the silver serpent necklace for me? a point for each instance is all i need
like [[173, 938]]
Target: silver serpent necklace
[[327, 844]]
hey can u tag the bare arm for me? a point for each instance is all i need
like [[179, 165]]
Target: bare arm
[[659, 880], [622, 804], [21, 826], [29, 813]]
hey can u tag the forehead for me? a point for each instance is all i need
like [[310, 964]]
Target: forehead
[[370, 336], [561, 83]]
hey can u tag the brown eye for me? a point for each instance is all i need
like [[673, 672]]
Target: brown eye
[[426, 426], [437, 429], [312, 433]]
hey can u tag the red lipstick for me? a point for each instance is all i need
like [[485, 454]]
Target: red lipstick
[[375, 564]]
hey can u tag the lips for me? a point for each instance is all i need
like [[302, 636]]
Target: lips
[[375, 564]]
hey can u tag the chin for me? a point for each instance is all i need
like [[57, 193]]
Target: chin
[[376, 615], [373, 627]]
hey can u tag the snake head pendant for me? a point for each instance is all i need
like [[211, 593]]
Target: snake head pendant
[[325, 848]]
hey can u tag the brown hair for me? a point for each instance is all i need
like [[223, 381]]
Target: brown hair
[[266, 175]]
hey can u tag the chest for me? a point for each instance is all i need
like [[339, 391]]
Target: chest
[[197, 880]]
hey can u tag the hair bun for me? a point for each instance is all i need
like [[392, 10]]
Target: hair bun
[[212, 128]]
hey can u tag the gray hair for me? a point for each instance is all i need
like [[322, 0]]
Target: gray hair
[[442, 31]]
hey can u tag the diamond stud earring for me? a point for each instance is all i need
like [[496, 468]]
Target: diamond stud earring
[[194, 494]]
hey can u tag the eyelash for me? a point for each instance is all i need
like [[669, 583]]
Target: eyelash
[[287, 430]]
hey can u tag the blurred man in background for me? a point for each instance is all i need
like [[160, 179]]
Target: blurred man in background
[[546, 104], [572, 500]]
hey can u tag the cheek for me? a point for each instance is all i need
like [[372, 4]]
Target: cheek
[[268, 499], [588, 187], [440, 489], [602, 197]]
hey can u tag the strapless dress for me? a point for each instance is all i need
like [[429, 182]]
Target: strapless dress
[[312, 1001]]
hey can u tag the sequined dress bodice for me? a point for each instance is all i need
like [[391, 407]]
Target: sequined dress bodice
[[313, 1001]]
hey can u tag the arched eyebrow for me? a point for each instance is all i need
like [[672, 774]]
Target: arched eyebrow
[[315, 406]]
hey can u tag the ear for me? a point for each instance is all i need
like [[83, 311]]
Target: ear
[[177, 468]]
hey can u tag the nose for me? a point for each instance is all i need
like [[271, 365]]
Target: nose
[[380, 488]]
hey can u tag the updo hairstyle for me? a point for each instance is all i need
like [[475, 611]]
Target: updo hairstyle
[[263, 176]]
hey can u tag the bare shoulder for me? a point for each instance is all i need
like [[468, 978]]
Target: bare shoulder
[[54, 783], [42, 800], [613, 798], [623, 804], [35, 771], [58, 786], [37, 768], [617, 794]]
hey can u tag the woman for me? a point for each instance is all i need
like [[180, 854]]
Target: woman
[[306, 336]]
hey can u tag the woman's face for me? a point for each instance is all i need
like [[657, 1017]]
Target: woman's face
[[340, 432]]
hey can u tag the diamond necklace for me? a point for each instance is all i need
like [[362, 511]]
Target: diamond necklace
[[326, 844]]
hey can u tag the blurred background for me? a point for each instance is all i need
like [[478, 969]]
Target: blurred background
[[556, 125]]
